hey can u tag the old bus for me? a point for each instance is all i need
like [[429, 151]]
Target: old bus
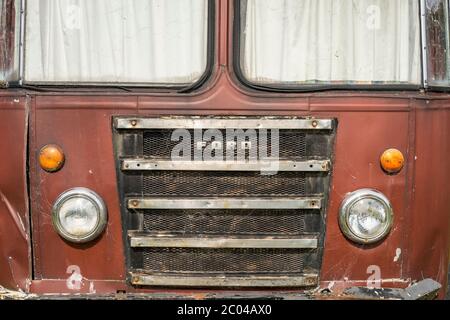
[[201, 148]]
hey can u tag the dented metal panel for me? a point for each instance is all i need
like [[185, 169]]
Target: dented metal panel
[[426, 289], [15, 260]]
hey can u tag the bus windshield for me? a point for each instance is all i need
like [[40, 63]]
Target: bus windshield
[[116, 41], [292, 42]]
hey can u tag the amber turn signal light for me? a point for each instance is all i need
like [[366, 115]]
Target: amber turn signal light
[[51, 158], [392, 161]]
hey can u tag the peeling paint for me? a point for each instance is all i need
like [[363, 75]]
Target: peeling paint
[[330, 286], [374, 280], [398, 253], [92, 288], [75, 279]]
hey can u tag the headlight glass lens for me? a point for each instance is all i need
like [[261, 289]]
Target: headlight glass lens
[[79, 215], [366, 216]]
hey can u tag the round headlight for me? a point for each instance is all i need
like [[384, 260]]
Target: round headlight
[[366, 216], [79, 215]]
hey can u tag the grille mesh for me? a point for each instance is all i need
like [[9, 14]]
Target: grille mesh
[[158, 143], [193, 260], [244, 222], [226, 183]]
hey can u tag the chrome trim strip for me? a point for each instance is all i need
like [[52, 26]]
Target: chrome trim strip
[[264, 165], [157, 241], [223, 123], [424, 42], [225, 203], [22, 42], [304, 280]]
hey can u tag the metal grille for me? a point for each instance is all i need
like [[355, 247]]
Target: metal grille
[[185, 259], [244, 222], [226, 183], [158, 143], [223, 260]]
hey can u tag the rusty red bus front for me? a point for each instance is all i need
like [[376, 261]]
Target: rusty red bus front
[[125, 208]]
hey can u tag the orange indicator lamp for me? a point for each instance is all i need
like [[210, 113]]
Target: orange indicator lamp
[[51, 158], [392, 161]]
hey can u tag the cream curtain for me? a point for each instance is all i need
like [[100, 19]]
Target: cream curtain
[[311, 41], [116, 41]]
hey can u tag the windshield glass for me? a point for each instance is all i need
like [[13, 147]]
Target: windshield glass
[[9, 40], [116, 41], [298, 42], [437, 34]]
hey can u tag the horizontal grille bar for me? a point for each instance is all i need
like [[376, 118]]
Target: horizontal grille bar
[[225, 203], [268, 166], [305, 280], [218, 123], [146, 241]]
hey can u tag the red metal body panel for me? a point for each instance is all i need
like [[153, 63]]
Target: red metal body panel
[[429, 234], [15, 263], [416, 123]]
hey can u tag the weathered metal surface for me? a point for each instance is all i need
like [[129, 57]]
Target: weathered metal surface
[[54, 258], [281, 165], [164, 241], [266, 281], [15, 267], [369, 122], [424, 290], [93, 114], [237, 123], [225, 203], [428, 237]]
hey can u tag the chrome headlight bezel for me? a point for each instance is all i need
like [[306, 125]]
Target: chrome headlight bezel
[[86, 194], [353, 198]]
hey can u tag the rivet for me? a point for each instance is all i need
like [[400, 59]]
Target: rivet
[[134, 203]]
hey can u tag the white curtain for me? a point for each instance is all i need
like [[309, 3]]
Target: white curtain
[[116, 41], [310, 41]]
